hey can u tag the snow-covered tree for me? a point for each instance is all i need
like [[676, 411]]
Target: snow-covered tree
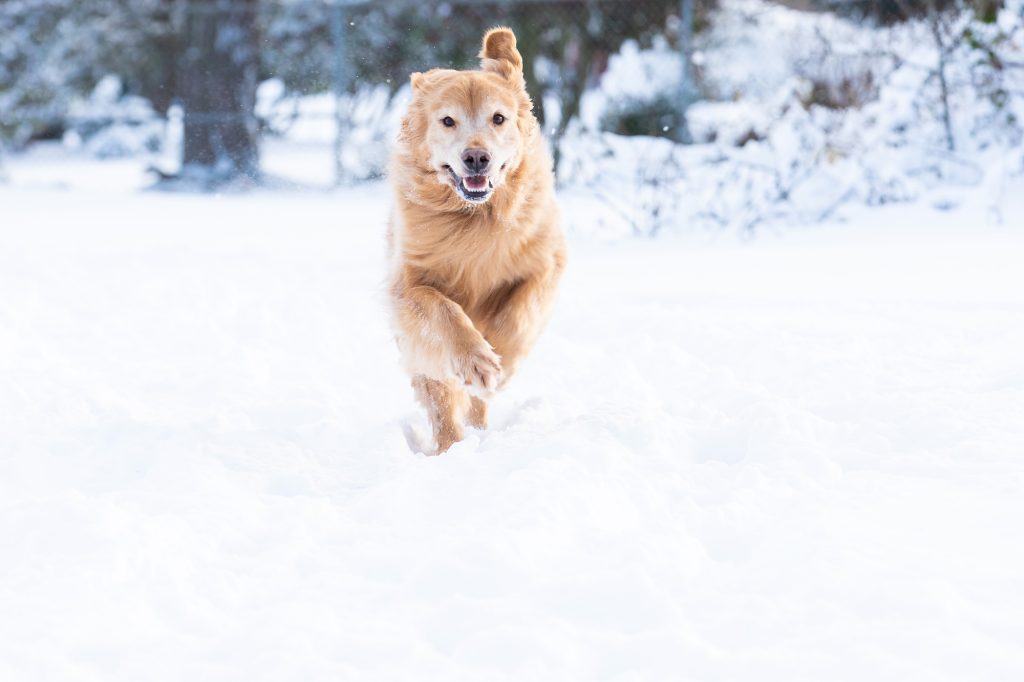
[[218, 77], [52, 51]]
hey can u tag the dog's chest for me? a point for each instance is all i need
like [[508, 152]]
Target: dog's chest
[[474, 280], [468, 264]]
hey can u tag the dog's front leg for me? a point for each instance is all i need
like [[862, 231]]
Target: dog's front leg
[[439, 341], [517, 323]]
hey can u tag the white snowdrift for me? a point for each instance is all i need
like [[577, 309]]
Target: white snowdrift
[[796, 459]]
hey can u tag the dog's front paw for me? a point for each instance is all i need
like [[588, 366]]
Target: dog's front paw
[[478, 368]]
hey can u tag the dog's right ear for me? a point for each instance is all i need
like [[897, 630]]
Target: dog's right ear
[[499, 53]]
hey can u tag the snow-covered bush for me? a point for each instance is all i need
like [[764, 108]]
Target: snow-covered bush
[[844, 82], [647, 116], [110, 124], [369, 119], [638, 93], [837, 114], [53, 52]]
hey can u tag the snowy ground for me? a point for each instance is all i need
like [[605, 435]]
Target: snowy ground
[[792, 458]]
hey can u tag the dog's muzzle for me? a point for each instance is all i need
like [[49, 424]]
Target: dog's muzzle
[[475, 189]]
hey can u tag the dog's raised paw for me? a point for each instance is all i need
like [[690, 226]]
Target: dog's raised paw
[[479, 369]]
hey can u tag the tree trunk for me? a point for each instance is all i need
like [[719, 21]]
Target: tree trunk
[[529, 47], [686, 85], [218, 79], [572, 92]]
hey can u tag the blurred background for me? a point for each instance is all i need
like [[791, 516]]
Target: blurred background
[[772, 432], [697, 112]]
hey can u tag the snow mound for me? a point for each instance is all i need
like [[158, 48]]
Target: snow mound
[[110, 124], [788, 460]]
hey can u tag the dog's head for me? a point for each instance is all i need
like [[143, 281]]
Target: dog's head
[[467, 128]]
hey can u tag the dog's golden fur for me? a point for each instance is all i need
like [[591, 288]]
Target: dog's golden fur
[[474, 271]]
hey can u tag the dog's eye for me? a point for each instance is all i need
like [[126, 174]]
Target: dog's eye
[[448, 122], [498, 119]]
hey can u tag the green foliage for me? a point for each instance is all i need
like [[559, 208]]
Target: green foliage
[[55, 50], [654, 117], [385, 42], [887, 12], [989, 75]]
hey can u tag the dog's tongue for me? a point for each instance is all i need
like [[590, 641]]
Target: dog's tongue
[[475, 183]]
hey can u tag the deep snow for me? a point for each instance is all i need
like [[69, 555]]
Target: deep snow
[[797, 457]]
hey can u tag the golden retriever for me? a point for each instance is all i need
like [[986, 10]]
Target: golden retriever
[[476, 246]]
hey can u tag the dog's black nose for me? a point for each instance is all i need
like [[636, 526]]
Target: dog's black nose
[[476, 160]]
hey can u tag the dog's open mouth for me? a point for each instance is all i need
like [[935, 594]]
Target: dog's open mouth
[[473, 188]]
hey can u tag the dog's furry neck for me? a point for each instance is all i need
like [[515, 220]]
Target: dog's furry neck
[[461, 248]]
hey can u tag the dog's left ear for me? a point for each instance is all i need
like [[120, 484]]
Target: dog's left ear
[[499, 53]]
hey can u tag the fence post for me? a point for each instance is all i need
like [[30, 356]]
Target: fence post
[[686, 85], [339, 15]]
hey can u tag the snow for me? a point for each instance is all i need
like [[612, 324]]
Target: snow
[[806, 118], [113, 125], [771, 153], [372, 118], [633, 75], [794, 457], [753, 48]]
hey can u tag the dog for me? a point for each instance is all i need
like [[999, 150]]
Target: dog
[[475, 239]]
